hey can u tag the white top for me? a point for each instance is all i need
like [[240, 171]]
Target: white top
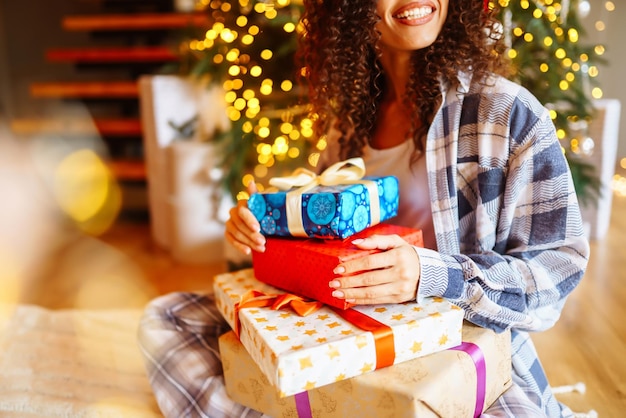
[[414, 205]]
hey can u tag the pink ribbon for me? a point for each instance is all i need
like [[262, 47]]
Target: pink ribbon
[[478, 358], [303, 404]]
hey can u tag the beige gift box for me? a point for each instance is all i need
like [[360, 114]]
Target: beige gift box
[[298, 353], [442, 384]]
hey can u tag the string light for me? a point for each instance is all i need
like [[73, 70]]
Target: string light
[[246, 46], [544, 42], [575, 75]]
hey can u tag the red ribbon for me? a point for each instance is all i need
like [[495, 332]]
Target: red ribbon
[[383, 334]]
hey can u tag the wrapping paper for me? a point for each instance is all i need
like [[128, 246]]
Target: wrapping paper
[[337, 211], [296, 353], [305, 266], [444, 384]]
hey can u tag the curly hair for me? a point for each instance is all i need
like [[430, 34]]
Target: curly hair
[[340, 57]]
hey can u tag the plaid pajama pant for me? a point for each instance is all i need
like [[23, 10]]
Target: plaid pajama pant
[[178, 337]]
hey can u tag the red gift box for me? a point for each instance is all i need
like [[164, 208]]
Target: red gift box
[[305, 266]]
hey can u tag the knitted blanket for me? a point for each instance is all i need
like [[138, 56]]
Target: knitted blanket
[[72, 363]]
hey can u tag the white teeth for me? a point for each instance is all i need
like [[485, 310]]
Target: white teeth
[[416, 13]]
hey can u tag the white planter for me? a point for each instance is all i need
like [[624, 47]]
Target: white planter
[[195, 207], [186, 217], [604, 130]]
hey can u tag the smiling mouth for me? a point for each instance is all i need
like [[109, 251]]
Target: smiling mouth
[[412, 14]]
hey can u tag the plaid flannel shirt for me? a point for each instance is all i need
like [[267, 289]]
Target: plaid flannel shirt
[[510, 239]]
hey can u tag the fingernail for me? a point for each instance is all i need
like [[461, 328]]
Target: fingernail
[[334, 284], [358, 241], [338, 294], [339, 270]]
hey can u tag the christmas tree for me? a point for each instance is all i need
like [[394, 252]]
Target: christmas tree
[[250, 50], [544, 40]]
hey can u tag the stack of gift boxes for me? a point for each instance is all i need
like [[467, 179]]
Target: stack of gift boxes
[[298, 351]]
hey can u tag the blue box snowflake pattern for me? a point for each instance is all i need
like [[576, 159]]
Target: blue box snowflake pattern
[[329, 211]]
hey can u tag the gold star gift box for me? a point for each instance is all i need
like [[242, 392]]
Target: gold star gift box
[[444, 384], [297, 353]]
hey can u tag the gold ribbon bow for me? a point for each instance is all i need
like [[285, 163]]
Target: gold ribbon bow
[[350, 171]]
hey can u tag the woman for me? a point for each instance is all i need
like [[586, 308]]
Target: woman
[[412, 88]]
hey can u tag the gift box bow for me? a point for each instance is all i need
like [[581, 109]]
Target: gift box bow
[[383, 334], [343, 172], [350, 171], [258, 299]]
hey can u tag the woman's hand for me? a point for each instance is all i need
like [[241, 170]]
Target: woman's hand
[[389, 276], [242, 228]]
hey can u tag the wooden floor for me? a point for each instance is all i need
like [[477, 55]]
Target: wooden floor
[[124, 268], [588, 344]]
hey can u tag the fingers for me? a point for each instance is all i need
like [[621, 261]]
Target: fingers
[[379, 242], [239, 245], [377, 295], [390, 276], [243, 229], [242, 236], [393, 292], [364, 264], [251, 188], [380, 260]]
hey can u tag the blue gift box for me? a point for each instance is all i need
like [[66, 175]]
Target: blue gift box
[[337, 211]]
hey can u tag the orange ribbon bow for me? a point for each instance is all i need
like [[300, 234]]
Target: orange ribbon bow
[[257, 299]]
